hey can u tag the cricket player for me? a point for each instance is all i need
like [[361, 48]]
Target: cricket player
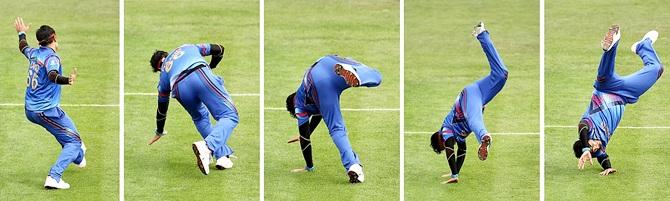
[[466, 114], [187, 77], [318, 97], [612, 93], [43, 99]]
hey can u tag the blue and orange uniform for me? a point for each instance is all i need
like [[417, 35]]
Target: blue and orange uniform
[[42, 102], [613, 92], [187, 77], [319, 95]]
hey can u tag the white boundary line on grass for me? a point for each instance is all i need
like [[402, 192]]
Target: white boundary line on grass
[[64, 105], [623, 127], [503, 133], [155, 94], [349, 109]]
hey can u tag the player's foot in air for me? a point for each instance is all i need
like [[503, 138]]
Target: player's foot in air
[[202, 156], [51, 183], [611, 37], [348, 73], [356, 174], [479, 28], [484, 147], [224, 163], [82, 164], [651, 35]]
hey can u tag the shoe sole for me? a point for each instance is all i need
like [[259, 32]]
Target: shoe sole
[[609, 38], [219, 167], [197, 159], [353, 177], [484, 148], [348, 76]]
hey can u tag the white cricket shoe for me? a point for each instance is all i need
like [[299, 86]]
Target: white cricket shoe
[[355, 173], [611, 37], [202, 156], [479, 28], [224, 163], [82, 164], [651, 35], [349, 74], [51, 183]]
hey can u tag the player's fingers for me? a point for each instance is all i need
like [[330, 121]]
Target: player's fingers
[[154, 139], [75, 70], [591, 160], [294, 139], [298, 170]]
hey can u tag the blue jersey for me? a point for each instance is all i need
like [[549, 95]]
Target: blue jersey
[[41, 93], [183, 58], [457, 121], [603, 115]]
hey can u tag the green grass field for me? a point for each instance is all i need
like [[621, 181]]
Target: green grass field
[[167, 169], [88, 39], [572, 56], [296, 34], [441, 58]]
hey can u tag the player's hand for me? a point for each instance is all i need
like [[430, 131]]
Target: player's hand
[[586, 156], [294, 139], [20, 26], [73, 76], [154, 139], [607, 172]]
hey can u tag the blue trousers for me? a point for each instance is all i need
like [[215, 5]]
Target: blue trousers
[[632, 86], [476, 95], [202, 93], [329, 87], [60, 126]]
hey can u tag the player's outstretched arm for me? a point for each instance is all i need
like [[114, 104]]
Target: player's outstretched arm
[[161, 117], [21, 29], [604, 161], [62, 80]]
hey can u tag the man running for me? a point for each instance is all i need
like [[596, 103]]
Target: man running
[[43, 99], [185, 75], [612, 93], [319, 97], [466, 116]]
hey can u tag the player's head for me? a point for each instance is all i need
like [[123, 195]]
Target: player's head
[[437, 142], [157, 60], [46, 36], [290, 105]]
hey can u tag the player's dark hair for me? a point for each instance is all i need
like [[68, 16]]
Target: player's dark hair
[[435, 141], [577, 148], [290, 105], [45, 35], [157, 59]]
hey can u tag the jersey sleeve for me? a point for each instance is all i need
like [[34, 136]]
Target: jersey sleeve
[[52, 63], [303, 116], [204, 49], [164, 87]]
